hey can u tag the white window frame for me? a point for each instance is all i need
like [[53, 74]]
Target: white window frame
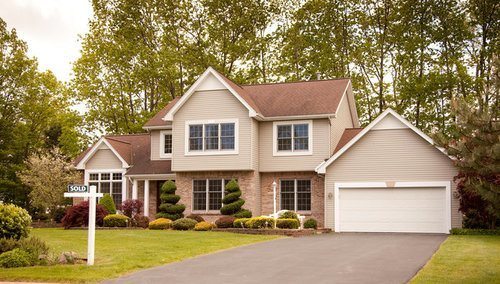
[[293, 152], [86, 178], [207, 200], [220, 151], [295, 199], [162, 144]]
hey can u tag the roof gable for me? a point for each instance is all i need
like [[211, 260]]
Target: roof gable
[[92, 150], [389, 119]]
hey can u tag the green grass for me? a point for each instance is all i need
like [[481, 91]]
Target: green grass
[[464, 259], [120, 252]]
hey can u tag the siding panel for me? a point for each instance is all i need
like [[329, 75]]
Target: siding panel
[[390, 155], [270, 163], [155, 145], [103, 159], [342, 120]]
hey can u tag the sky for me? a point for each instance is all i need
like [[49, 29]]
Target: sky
[[51, 28]]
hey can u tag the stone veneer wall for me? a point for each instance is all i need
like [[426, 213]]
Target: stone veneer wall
[[317, 194], [247, 180]]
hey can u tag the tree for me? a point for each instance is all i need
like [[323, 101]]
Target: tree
[[232, 202], [48, 174], [107, 202], [169, 208]]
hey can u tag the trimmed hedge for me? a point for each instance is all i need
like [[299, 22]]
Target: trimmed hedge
[[243, 213], [240, 223], [196, 217], [15, 258], [287, 223], [458, 231], [260, 223], [232, 203], [289, 215], [107, 202], [225, 222], [116, 220], [160, 224], [311, 224], [184, 224], [15, 221], [169, 208], [203, 226]]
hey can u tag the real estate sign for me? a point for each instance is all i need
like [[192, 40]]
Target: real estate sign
[[78, 188]]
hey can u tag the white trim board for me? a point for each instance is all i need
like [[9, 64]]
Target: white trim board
[[83, 161], [444, 184], [321, 168], [210, 71]]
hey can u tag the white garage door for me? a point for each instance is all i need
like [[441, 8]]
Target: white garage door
[[420, 210]]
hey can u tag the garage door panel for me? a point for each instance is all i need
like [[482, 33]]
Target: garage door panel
[[392, 209]]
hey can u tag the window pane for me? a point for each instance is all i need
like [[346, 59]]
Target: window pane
[[301, 130], [94, 176], [284, 131], [284, 138], [104, 188], [211, 136], [284, 144], [303, 195], [214, 194], [301, 137], [105, 176], [117, 176], [287, 194], [199, 195], [301, 144], [227, 136], [168, 144], [117, 192], [195, 137]]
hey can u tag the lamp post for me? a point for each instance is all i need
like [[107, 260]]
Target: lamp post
[[274, 202]]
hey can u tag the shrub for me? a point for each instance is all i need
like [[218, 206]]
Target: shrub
[[15, 258], [240, 223], [260, 222], [169, 208], [131, 207], [288, 215], [116, 220], [78, 215], [15, 221], [311, 224], [140, 221], [58, 214], [184, 224], [36, 248], [107, 202], [232, 202], [225, 222], [458, 231], [196, 217], [203, 226], [7, 245], [287, 223], [160, 224]]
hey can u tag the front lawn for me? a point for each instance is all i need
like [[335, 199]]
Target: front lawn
[[464, 259], [122, 251]]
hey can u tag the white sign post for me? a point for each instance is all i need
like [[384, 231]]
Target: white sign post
[[81, 191], [274, 203]]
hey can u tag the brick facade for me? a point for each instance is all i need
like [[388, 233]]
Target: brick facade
[[317, 194], [247, 180]]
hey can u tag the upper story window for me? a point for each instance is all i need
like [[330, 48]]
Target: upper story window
[[166, 144], [292, 138], [212, 137]]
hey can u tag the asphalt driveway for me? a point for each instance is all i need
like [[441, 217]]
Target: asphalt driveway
[[330, 258]]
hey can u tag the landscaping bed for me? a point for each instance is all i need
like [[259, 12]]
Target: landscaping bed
[[278, 232]]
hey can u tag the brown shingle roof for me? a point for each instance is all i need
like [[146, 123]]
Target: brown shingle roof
[[348, 134]]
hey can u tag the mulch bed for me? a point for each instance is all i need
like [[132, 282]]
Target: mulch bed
[[280, 232]]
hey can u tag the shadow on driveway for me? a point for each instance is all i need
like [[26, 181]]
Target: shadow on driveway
[[329, 258]]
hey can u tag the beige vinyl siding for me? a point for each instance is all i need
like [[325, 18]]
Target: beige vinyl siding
[[341, 121], [103, 159], [155, 145], [390, 155], [270, 163], [255, 145], [212, 105]]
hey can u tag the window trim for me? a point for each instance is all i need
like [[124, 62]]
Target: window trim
[[219, 151], [292, 152], [86, 178], [295, 187], [207, 197], [162, 144]]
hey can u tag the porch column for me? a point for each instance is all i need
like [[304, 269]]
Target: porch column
[[146, 197], [134, 189]]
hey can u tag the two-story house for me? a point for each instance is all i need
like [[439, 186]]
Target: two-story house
[[303, 136]]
